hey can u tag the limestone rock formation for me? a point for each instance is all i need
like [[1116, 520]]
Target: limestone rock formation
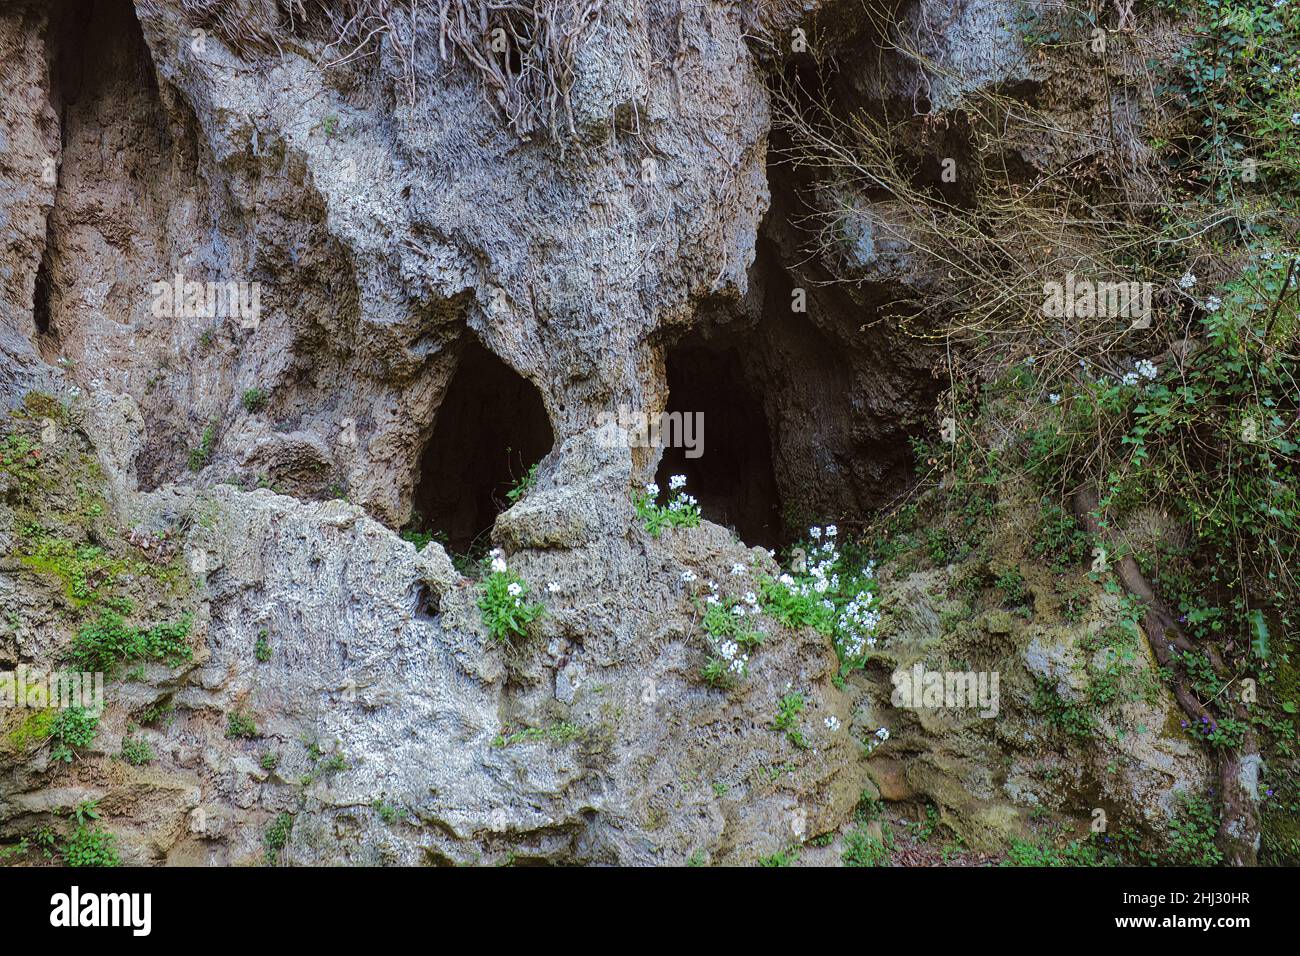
[[293, 291]]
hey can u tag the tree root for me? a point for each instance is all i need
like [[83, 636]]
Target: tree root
[[1238, 771]]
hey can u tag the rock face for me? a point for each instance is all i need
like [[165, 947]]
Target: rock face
[[245, 251]]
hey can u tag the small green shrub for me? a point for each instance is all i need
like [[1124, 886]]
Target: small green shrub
[[262, 649], [277, 836], [72, 727], [254, 400], [91, 846], [862, 849], [137, 752], [200, 455], [240, 725], [787, 719]]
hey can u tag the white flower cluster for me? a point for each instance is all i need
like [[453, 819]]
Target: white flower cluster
[[498, 560], [1144, 369], [857, 621], [678, 500], [737, 660], [857, 626]]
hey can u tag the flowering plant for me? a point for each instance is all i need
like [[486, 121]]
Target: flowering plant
[[823, 592], [681, 511], [503, 600]]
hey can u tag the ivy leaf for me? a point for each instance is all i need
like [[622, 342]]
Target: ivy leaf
[[1260, 640]]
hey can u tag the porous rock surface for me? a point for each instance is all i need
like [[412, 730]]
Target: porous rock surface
[[387, 232]]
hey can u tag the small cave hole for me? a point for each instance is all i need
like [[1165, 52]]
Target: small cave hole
[[490, 429], [41, 296], [732, 477]]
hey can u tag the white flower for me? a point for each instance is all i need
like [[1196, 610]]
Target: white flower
[[652, 490], [815, 533], [751, 599], [832, 723], [737, 569], [738, 611], [1187, 281], [498, 565], [711, 599], [1147, 369], [1053, 398], [831, 531], [1295, 119], [553, 587], [676, 482], [688, 576], [1212, 304], [514, 589], [882, 734]]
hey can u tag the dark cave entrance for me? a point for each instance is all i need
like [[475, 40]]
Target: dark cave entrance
[[490, 429], [733, 478]]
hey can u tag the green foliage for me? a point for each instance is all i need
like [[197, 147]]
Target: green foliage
[[90, 846], [681, 510], [202, 454], [388, 812], [262, 648], [830, 589], [72, 727], [560, 733], [1012, 585], [1193, 828], [506, 610], [1071, 718], [270, 760], [137, 752], [1044, 855], [1058, 539], [103, 644], [787, 719], [277, 837], [523, 485], [862, 849], [240, 725], [787, 857], [254, 400]]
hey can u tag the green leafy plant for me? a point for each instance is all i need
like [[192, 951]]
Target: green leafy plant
[[277, 837], [503, 601], [137, 752], [73, 727], [254, 400], [680, 511], [240, 725], [262, 648]]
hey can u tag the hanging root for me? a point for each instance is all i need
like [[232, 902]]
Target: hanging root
[[524, 51]]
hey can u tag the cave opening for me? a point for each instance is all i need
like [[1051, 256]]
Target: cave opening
[[731, 470], [41, 296], [490, 429]]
